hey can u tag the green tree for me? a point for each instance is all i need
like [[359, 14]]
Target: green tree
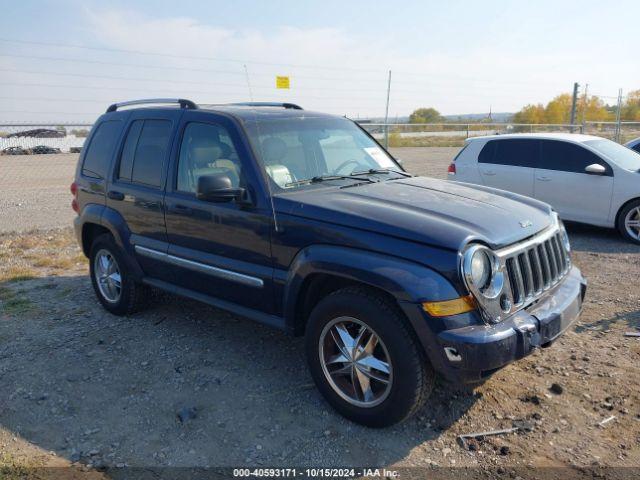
[[425, 115]]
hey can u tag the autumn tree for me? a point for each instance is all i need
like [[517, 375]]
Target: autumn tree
[[594, 110], [530, 114], [558, 110], [631, 107]]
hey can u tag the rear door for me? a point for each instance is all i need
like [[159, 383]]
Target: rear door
[[509, 164], [561, 181], [137, 187]]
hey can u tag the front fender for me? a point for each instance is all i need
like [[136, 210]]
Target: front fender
[[406, 281]]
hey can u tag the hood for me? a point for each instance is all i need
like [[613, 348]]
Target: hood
[[425, 210]]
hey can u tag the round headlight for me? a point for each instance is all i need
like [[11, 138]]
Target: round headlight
[[565, 238], [482, 272], [480, 269]]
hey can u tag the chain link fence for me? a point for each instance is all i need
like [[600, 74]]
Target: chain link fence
[[454, 134], [37, 138]]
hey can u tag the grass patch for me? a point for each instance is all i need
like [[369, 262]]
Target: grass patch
[[17, 274], [12, 303], [56, 262], [396, 141], [14, 468]]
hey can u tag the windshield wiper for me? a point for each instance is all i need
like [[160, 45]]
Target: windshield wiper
[[324, 178], [373, 171]]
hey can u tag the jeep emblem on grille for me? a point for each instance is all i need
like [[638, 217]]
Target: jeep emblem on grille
[[526, 223]]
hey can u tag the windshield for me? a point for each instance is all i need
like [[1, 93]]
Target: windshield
[[297, 151], [622, 156]]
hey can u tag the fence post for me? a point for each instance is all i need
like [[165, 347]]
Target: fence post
[[467, 130]]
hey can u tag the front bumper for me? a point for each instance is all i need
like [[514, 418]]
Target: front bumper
[[472, 353]]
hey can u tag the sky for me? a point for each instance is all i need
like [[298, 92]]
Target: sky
[[67, 60]]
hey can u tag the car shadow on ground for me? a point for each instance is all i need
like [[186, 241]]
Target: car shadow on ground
[[628, 319], [181, 384], [589, 238]]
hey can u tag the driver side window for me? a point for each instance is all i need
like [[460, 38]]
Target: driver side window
[[206, 149]]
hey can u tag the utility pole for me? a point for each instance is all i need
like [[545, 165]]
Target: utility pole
[[618, 132], [583, 128], [386, 114], [574, 104]]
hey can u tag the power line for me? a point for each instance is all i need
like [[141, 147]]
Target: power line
[[165, 67], [191, 57], [149, 79], [190, 82]]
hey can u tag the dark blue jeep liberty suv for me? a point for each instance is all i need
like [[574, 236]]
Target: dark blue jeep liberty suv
[[302, 221]]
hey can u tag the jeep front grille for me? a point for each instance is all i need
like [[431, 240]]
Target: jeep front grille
[[535, 266]]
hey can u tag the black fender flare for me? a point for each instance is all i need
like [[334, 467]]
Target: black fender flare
[[406, 281], [117, 226]]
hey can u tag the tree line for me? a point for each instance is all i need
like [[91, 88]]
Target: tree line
[[591, 109], [558, 111]]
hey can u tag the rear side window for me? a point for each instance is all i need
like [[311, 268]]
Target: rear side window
[[567, 157], [129, 150], [144, 152], [636, 147], [515, 152], [98, 156]]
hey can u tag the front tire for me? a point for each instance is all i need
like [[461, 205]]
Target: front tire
[[365, 360], [629, 221], [113, 284]]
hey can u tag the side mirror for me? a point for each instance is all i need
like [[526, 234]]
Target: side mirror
[[595, 169], [217, 188]]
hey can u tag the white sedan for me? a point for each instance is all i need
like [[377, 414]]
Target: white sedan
[[586, 179]]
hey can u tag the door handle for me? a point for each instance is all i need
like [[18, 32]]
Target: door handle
[[113, 195], [489, 173], [181, 209], [544, 179]]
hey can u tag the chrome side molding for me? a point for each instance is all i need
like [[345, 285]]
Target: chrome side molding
[[201, 267]]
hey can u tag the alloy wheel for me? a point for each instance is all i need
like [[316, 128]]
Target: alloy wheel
[[632, 223], [355, 362], [107, 275]]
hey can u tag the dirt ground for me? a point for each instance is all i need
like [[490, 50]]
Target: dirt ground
[[183, 384]]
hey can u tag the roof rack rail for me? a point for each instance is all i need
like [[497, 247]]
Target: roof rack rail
[[188, 104], [292, 106]]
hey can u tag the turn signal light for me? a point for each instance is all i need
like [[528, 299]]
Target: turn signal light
[[450, 307]]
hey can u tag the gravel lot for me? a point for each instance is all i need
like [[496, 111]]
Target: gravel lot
[[83, 387]]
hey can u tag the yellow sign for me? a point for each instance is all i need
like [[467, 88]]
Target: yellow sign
[[282, 82]]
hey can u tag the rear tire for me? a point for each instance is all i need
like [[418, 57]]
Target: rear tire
[[383, 376], [629, 221], [112, 282]]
